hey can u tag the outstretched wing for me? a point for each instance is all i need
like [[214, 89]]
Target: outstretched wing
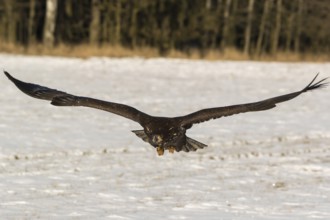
[[59, 98], [213, 113]]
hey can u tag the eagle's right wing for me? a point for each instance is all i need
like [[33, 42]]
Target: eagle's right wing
[[59, 98]]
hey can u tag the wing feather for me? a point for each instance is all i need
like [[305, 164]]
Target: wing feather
[[214, 113], [59, 98]]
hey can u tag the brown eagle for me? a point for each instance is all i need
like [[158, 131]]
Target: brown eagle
[[163, 133]]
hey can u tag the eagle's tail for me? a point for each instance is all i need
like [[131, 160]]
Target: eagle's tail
[[141, 134], [192, 145]]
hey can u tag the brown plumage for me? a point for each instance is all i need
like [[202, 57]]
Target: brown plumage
[[163, 133]]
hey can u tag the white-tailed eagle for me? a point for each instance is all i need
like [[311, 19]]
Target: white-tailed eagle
[[163, 133]]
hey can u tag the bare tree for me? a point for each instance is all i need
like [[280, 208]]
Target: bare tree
[[116, 38], [277, 28], [298, 26], [262, 26], [208, 4], [9, 21], [31, 28], [289, 32], [133, 27], [94, 28], [50, 23], [225, 30], [248, 27]]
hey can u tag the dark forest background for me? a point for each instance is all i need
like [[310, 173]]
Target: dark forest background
[[253, 27]]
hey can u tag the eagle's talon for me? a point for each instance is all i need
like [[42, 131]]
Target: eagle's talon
[[171, 149], [160, 151]]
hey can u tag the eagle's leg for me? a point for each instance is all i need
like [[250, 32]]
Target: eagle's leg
[[160, 151], [171, 149]]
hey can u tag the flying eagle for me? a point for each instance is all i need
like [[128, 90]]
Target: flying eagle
[[163, 133]]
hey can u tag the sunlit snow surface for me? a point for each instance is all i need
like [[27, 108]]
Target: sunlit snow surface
[[80, 163]]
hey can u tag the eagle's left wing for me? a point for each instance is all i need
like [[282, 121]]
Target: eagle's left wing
[[213, 113]]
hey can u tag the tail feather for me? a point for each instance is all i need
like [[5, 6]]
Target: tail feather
[[141, 134], [192, 145]]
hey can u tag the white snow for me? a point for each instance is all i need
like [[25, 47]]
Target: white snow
[[80, 163]]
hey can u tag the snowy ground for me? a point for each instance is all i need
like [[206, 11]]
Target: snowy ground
[[79, 163]]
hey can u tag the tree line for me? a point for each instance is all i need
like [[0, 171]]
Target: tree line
[[251, 26]]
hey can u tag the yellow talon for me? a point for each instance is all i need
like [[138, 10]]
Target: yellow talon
[[160, 151], [171, 149]]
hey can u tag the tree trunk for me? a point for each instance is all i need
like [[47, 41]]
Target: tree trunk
[[117, 39], [277, 28], [133, 23], [289, 32], [225, 29], [31, 28], [94, 27], [106, 24], [262, 26], [10, 22], [298, 25], [68, 8], [208, 4], [248, 27], [50, 23]]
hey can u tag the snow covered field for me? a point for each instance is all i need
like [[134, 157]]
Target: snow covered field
[[80, 163]]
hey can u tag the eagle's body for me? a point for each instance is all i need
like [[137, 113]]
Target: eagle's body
[[163, 133]]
